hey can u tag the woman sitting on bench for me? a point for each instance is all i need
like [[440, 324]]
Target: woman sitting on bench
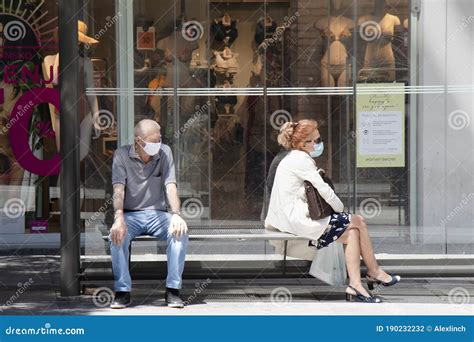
[[288, 209]]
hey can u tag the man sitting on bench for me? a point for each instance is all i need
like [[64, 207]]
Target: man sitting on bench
[[141, 175]]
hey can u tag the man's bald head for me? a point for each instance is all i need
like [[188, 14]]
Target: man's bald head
[[146, 127]]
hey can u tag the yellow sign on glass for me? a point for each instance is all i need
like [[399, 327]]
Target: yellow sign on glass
[[380, 125]]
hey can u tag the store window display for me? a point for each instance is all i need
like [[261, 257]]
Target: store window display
[[177, 53], [269, 69], [247, 46], [383, 33], [89, 106], [11, 173], [336, 32], [225, 104], [224, 32], [266, 27], [226, 62], [177, 50]]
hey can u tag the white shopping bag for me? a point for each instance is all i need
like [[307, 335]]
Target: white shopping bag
[[329, 265]]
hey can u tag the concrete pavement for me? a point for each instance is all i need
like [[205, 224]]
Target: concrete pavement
[[29, 285]]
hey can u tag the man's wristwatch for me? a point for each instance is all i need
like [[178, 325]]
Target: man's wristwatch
[[176, 213]]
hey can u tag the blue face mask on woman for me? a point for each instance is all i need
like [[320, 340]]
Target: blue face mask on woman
[[317, 150]]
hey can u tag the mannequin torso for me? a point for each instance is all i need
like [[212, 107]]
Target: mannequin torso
[[337, 34], [337, 31], [379, 52]]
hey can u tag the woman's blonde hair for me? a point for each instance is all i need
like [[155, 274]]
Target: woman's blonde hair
[[294, 134]]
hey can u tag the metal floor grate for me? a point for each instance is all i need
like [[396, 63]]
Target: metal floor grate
[[237, 297], [214, 231]]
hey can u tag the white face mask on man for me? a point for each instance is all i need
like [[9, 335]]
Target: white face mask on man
[[151, 148]]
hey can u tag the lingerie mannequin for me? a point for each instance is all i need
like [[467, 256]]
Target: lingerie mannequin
[[226, 62], [379, 51], [337, 32], [225, 104], [224, 32], [88, 106], [265, 27]]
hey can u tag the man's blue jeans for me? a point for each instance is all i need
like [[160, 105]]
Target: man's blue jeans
[[155, 223]]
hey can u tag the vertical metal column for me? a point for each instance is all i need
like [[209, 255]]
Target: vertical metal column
[[415, 233], [70, 171], [352, 148], [125, 73]]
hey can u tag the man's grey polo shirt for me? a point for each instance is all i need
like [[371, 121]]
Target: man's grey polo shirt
[[145, 184]]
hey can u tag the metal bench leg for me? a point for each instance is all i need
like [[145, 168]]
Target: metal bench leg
[[130, 255], [285, 248]]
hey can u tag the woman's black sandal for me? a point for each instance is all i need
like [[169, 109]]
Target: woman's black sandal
[[371, 281], [359, 297]]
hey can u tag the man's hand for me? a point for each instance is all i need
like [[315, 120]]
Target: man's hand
[[178, 226], [118, 231]]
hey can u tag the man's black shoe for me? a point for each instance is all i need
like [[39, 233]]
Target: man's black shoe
[[121, 300], [172, 298]]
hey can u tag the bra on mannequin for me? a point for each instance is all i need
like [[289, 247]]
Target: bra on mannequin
[[345, 37], [385, 38], [224, 33], [332, 29]]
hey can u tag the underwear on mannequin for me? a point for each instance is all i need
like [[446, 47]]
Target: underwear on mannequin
[[335, 70]]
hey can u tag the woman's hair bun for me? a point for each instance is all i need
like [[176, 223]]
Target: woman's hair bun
[[286, 133]]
